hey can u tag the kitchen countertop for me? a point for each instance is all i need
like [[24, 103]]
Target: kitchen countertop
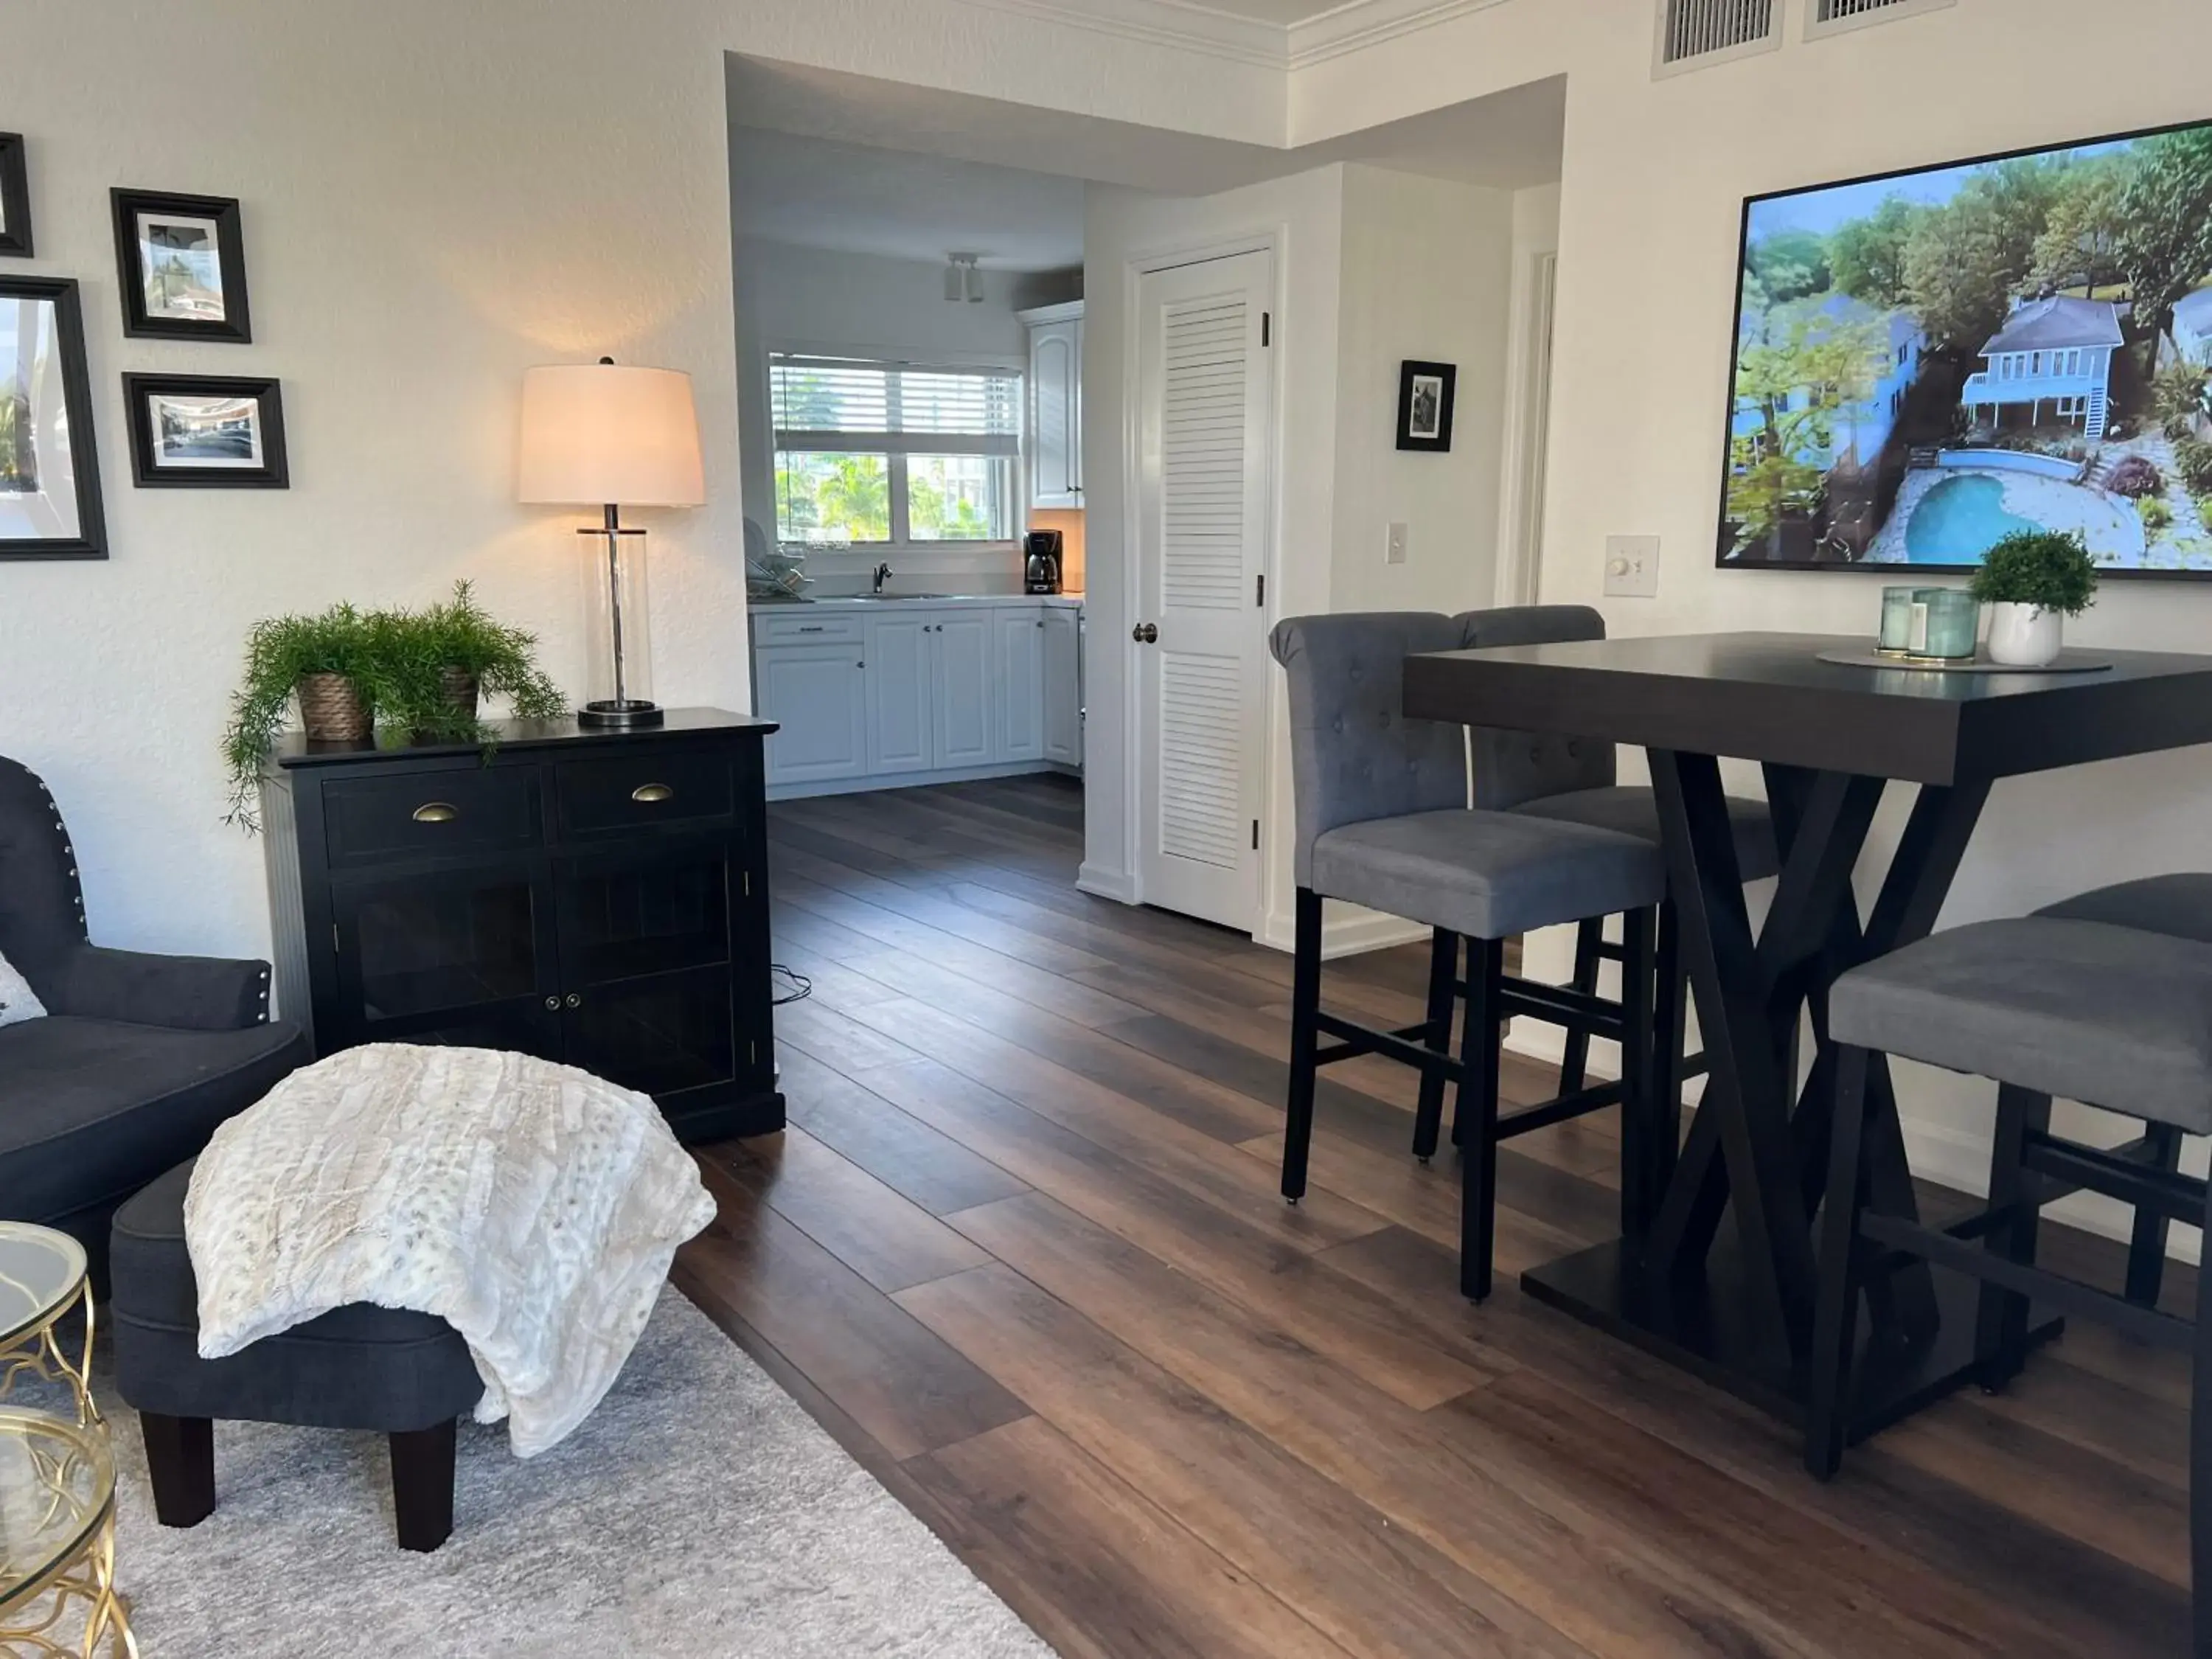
[[863, 602]]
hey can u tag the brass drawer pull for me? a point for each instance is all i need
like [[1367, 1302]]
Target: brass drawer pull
[[436, 812], [647, 794]]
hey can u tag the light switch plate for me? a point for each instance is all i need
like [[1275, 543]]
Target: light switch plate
[[1632, 567], [1394, 546]]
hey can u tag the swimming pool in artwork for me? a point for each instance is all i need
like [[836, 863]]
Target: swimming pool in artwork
[[1961, 520]]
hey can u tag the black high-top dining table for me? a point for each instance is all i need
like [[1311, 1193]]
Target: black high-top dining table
[[1733, 1302]]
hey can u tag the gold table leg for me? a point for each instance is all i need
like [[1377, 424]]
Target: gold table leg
[[40, 1353], [86, 1584]]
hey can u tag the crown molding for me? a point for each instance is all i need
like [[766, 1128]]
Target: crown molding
[[1189, 25], [1171, 23], [1357, 24]]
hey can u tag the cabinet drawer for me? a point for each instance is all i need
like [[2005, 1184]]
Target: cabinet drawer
[[371, 820], [816, 629], [641, 791]]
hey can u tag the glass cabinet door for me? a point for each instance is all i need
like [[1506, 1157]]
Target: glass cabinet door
[[645, 957], [463, 956]]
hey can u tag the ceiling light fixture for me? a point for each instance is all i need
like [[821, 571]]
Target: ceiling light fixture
[[962, 281]]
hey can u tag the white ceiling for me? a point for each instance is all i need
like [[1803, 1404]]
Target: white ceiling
[[1268, 11], [1507, 141], [899, 205]]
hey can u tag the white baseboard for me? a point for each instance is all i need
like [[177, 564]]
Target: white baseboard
[[1342, 936], [1120, 886], [884, 781]]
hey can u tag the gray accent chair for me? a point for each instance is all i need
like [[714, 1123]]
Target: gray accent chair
[[1383, 821], [404, 1374], [2045, 1006], [1576, 781], [140, 1056]]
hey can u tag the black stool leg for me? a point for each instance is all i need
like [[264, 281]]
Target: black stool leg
[[1641, 1181], [1444, 997], [180, 1460], [2200, 1458], [1670, 1005], [1475, 1118], [422, 1486], [1574, 1063], [2147, 1248], [1305, 1038], [1836, 1309], [2000, 1327]]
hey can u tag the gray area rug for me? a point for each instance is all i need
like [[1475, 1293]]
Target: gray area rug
[[699, 1511]]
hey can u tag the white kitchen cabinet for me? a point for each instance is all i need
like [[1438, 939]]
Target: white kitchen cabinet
[[962, 688], [902, 692], [1062, 676], [1055, 405], [1018, 643], [817, 695]]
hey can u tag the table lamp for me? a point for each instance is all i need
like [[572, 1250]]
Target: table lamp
[[598, 434]]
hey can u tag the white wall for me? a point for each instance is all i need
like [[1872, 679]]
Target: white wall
[[1427, 275], [437, 197], [804, 299]]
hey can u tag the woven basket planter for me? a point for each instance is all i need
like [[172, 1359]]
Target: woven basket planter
[[332, 709], [460, 688]]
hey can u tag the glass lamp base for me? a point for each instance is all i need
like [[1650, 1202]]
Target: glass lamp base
[[628, 714]]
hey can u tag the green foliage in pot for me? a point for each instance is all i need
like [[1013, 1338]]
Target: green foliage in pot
[[416, 649], [397, 662], [2041, 568], [280, 653]]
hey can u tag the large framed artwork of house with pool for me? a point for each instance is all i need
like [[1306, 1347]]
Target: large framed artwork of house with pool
[[1926, 361]]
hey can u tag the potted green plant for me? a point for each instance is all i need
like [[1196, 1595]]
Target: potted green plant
[[437, 663], [2032, 581], [327, 663]]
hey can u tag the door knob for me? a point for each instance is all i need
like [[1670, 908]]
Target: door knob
[[1145, 633]]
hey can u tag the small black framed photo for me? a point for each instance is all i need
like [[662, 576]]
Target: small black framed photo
[[15, 198], [1425, 394], [181, 263], [49, 469], [206, 432]]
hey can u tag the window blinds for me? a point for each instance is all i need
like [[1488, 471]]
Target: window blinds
[[845, 404]]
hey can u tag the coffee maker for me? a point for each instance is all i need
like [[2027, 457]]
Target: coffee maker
[[1041, 550]]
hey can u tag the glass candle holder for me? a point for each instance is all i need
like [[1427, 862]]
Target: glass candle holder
[[1897, 620], [1954, 619]]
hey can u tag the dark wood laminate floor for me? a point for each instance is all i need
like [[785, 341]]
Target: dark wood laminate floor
[[1022, 1252]]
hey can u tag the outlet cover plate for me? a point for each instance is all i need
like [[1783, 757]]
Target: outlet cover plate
[[1632, 567]]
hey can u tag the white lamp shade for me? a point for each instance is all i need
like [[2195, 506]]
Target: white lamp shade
[[604, 432]]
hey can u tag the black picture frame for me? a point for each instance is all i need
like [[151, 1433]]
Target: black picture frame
[[1899, 572], [234, 326], [1417, 381], [15, 198], [147, 469], [91, 540]]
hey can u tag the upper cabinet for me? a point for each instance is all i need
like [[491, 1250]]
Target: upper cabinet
[[1055, 405]]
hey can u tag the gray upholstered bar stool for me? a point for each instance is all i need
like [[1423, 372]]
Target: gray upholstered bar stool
[[2118, 1017], [1383, 821], [1576, 781]]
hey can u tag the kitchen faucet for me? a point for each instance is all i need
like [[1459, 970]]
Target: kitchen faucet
[[883, 574]]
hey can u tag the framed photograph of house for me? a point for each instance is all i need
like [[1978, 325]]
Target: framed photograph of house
[[49, 469], [15, 198], [1928, 361], [206, 432], [1425, 394], [180, 261]]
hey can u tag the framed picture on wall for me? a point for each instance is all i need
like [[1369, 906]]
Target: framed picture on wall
[[48, 471], [206, 432], [15, 198], [1425, 393], [181, 263]]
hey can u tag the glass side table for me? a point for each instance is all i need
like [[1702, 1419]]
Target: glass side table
[[43, 1283], [57, 1540]]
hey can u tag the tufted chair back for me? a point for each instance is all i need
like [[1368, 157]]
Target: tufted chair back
[[1514, 768], [1354, 756], [41, 906]]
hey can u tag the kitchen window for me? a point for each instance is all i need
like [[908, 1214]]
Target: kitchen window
[[894, 454]]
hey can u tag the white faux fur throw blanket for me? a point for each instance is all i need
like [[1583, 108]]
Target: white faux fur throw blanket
[[533, 1206]]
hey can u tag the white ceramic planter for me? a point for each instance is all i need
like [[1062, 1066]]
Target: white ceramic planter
[[2024, 635]]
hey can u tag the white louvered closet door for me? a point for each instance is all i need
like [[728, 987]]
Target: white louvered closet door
[[1203, 396]]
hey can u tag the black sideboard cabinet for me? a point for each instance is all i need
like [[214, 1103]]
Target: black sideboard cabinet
[[599, 898]]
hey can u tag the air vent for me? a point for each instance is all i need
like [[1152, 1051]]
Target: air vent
[[1824, 17], [1694, 33]]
